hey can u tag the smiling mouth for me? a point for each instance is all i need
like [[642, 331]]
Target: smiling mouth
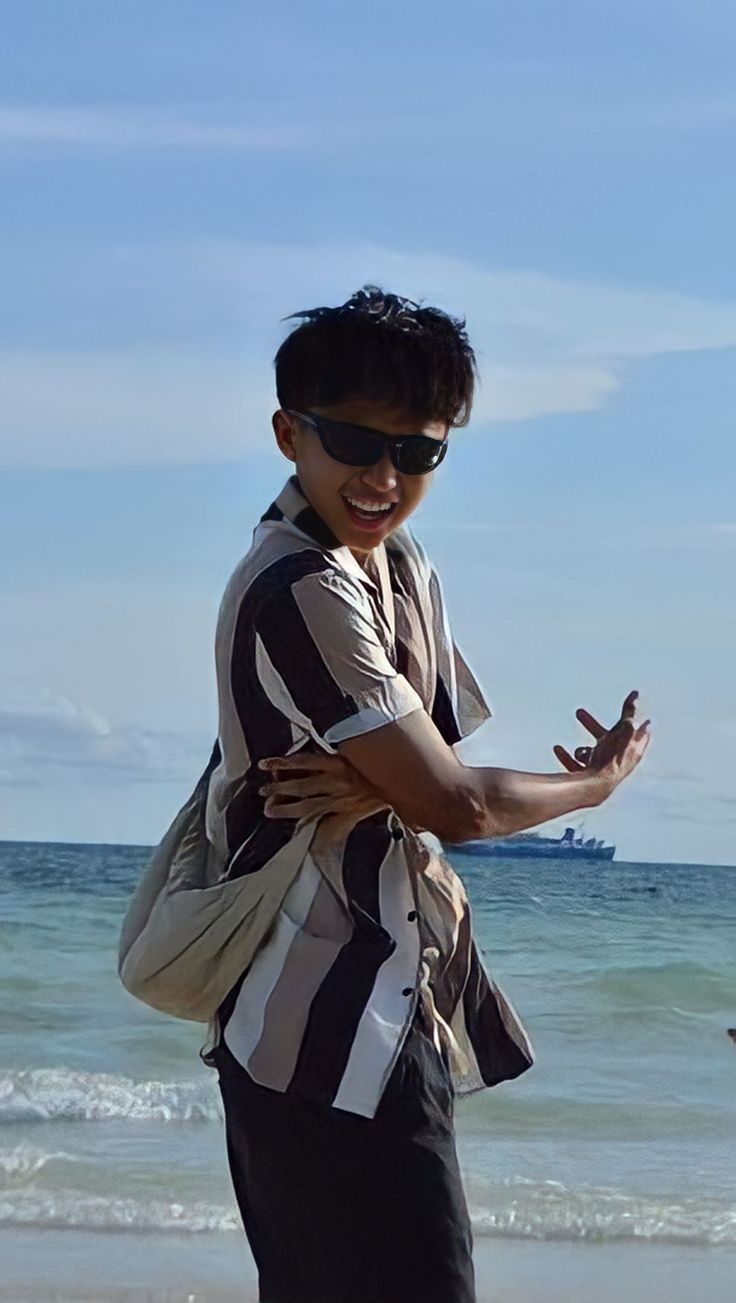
[[370, 520]]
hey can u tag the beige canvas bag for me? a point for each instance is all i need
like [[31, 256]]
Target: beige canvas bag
[[188, 934]]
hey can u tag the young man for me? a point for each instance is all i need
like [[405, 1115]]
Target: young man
[[367, 1009]]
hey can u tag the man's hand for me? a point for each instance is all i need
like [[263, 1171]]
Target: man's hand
[[618, 750], [306, 785]]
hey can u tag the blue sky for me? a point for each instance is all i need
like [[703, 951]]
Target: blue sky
[[176, 179]]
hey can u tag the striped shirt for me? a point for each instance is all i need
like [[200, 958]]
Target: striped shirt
[[312, 648]]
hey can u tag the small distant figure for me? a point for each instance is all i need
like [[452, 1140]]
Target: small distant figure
[[732, 1033]]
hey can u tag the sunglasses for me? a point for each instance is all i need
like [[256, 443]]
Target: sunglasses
[[360, 445]]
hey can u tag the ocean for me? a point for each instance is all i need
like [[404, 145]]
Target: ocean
[[623, 1130]]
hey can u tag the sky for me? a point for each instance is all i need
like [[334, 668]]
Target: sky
[[177, 178]]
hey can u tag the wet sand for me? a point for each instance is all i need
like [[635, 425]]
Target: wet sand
[[75, 1267]]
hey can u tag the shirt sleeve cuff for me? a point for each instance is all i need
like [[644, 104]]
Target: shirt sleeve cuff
[[390, 701]]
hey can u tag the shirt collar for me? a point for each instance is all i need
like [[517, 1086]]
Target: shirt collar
[[293, 506]]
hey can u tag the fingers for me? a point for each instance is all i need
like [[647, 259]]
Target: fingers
[[313, 785], [595, 727], [619, 736], [629, 707], [309, 809], [566, 759], [300, 760], [589, 722], [624, 731]]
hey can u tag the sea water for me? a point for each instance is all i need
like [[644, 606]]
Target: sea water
[[623, 974]]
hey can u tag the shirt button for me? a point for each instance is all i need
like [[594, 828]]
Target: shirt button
[[412, 915], [407, 990]]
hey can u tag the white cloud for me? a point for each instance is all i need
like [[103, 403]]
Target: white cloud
[[153, 128], [544, 345], [139, 652], [519, 393], [111, 408], [53, 738]]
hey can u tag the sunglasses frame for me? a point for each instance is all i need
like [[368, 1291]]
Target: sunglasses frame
[[392, 441]]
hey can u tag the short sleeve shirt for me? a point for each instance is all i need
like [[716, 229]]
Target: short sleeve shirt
[[311, 649]]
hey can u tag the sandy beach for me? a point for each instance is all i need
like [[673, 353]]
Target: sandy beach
[[64, 1267]]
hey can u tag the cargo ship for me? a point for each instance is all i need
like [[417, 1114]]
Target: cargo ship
[[570, 846]]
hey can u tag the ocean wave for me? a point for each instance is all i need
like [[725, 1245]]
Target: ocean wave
[[547, 1210], [48, 1094], [71, 1211], [24, 1161], [518, 1209]]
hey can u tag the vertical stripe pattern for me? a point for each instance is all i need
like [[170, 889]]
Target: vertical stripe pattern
[[312, 648]]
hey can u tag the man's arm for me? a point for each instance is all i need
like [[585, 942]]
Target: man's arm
[[423, 780], [427, 785], [320, 659]]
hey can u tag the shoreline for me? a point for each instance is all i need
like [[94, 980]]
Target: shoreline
[[128, 1267]]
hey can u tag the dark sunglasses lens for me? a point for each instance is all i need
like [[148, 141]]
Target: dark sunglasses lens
[[419, 458], [347, 444]]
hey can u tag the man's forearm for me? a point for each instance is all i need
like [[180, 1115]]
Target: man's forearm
[[506, 801]]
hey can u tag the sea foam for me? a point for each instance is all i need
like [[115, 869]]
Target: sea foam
[[46, 1094]]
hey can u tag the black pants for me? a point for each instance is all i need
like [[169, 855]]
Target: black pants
[[340, 1208]]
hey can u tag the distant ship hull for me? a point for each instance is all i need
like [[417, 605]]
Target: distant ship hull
[[508, 850], [532, 845]]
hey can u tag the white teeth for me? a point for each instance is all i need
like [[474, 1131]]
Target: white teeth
[[370, 506]]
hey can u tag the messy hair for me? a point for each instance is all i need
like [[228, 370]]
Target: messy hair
[[416, 360]]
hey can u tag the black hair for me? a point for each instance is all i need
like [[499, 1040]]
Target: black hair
[[379, 346]]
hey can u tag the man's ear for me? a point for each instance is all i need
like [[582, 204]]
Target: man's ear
[[286, 437]]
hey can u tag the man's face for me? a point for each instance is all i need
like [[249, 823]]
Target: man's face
[[327, 483]]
